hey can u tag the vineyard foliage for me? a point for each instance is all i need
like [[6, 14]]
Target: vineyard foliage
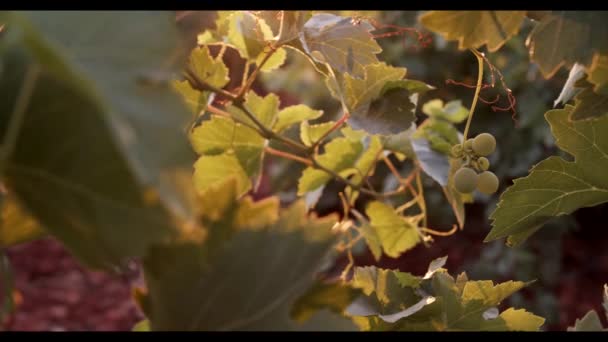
[[126, 141]]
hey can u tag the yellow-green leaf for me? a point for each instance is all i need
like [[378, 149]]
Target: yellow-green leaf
[[273, 62], [211, 170], [16, 225], [294, 114], [472, 29], [396, 233], [598, 74]]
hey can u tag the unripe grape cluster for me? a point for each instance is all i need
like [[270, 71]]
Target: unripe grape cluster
[[473, 173]]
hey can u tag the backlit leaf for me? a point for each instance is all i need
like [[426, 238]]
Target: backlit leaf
[[473, 29]]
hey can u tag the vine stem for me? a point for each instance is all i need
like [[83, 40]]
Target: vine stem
[[480, 62]]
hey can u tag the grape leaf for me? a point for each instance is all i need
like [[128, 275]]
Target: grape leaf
[[264, 108], [248, 34], [340, 154], [401, 142], [213, 169], [567, 37], [557, 187], [452, 111], [16, 225], [589, 105], [395, 233], [598, 74], [377, 103], [196, 100], [285, 25], [207, 69], [190, 290], [433, 163], [589, 322], [220, 135], [436, 302], [473, 29], [331, 296], [311, 134], [99, 132], [275, 61], [295, 114], [337, 41]]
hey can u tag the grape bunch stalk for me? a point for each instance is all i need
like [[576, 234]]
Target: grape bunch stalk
[[473, 166]]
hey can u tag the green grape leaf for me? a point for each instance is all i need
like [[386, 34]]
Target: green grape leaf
[[285, 25], [189, 289], [366, 163], [555, 186], [274, 62], [441, 135], [210, 170], [401, 142], [101, 128], [490, 294], [452, 111], [380, 102], [395, 233], [311, 134], [265, 109], [561, 39], [474, 29], [588, 105], [196, 100], [598, 74], [16, 225], [589, 322], [340, 155], [433, 163], [372, 240], [435, 302], [334, 297], [513, 320], [291, 115], [208, 69], [345, 46], [248, 34], [220, 135]]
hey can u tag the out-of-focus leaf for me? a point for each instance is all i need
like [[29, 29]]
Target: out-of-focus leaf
[[452, 111], [588, 105], [16, 225], [473, 29], [555, 186], [598, 74], [331, 296], [100, 130], [433, 163], [188, 289], [589, 322], [567, 37], [142, 326]]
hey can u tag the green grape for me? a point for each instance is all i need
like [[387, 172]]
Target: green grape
[[468, 145], [484, 144], [483, 163], [488, 183], [457, 151], [465, 180]]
